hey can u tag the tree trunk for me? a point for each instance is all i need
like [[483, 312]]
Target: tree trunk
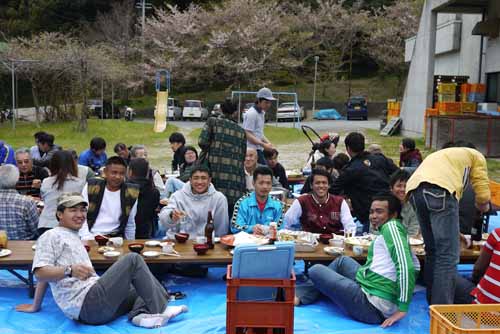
[[83, 124]]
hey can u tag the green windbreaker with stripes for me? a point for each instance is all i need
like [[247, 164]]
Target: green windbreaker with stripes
[[391, 268]]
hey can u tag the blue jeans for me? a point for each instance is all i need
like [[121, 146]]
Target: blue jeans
[[338, 282], [261, 159], [437, 213], [171, 186]]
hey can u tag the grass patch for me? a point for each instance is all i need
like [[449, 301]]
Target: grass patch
[[113, 131], [277, 135]]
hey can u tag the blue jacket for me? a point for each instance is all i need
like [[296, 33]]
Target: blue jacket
[[6, 154], [94, 162], [246, 213]]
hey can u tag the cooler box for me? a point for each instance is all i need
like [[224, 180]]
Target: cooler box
[[269, 261]]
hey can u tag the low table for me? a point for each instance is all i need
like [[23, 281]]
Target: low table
[[22, 257]]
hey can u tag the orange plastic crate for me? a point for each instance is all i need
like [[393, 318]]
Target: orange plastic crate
[[468, 107], [478, 88], [465, 319], [448, 108], [245, 316], [495, 192], [465, 89], [431, 112]]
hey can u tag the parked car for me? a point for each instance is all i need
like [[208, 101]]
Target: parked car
[[289, 111], [194, 109], [357, 108], [95, 107], [174, 109], [216, 111]]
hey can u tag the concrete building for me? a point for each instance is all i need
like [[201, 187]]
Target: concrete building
[[445, 45]]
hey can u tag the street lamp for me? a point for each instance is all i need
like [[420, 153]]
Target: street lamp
[[316, 59]]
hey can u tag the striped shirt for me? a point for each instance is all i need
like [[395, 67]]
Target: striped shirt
[[18, 215], [488, 289], [25, 182]]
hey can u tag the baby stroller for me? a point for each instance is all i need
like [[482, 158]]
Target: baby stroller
[[316, 141]]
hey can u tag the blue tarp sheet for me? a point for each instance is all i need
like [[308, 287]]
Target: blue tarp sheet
[[327, 114], [206, 299]]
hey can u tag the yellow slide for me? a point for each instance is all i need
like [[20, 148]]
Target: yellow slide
[[161, 111]]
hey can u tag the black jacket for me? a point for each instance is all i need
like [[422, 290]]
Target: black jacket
[[383, 164], [146, 218], [280, 173], [359, 181], [178, 159]]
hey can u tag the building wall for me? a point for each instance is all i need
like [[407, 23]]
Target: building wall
[[465, 60]]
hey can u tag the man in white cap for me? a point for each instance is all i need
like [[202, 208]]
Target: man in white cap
[[126, 287], [253, 124]]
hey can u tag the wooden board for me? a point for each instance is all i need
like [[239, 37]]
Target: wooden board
[[392, 127]]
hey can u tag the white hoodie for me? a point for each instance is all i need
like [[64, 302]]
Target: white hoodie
[[196, 206]]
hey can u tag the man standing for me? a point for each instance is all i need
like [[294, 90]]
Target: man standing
[[30, 177], [253, 123], [112, 203], [253, 212], [46, 149], [318, 211], [359, 181], [434, 190], [18, 213], [224, 142], [127, 286], [95, 157], [188, 208]]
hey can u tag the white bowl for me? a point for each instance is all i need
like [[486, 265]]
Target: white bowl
[[336, 242]]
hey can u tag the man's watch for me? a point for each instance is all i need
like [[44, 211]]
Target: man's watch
[[67, 271]]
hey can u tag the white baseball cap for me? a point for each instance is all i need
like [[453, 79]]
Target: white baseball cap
[[266, 94]]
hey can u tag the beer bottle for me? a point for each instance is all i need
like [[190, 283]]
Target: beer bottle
[[209, 230]]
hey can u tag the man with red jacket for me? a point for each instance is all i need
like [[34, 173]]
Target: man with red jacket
[[319, 211]]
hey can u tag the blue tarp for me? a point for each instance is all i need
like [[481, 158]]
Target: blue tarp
[[327, 114], [206, 299]]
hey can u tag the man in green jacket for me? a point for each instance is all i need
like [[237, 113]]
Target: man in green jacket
[[380, 291]]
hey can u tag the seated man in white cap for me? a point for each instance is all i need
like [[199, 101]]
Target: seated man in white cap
[[253, 124], [126, 287]]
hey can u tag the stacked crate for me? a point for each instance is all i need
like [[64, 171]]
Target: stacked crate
[[447, 92], [393, 109], [477, 93]]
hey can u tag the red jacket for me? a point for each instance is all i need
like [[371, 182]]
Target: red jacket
[[321, 218]]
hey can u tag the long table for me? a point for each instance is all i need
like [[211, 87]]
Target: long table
[[22, 256]]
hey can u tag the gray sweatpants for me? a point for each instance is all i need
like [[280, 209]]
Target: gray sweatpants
[[127, 286]]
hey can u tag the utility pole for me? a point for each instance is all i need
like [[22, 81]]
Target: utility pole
[[143, 6], [316, 59]]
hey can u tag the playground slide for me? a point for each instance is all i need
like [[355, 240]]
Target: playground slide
[[161, 111]]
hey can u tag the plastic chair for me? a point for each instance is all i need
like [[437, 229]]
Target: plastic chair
[[261, 289]]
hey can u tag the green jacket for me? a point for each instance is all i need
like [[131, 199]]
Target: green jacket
[[391, 268]]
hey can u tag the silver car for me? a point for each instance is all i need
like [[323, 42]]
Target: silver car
[[289, 111]]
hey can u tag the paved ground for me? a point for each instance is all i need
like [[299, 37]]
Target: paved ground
[[292, 156]]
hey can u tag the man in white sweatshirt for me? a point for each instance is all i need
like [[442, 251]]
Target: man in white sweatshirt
[[188, 208]]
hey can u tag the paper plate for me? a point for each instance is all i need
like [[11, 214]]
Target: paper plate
[[334, 250], [153, 243], [111, 254], [151, 254], [105, 249], [5, 252]]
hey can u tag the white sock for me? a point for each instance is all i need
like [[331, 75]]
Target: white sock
[[150, 320], [173, 311]]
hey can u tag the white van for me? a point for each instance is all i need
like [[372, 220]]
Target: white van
[[174, 109], [194, 109]]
